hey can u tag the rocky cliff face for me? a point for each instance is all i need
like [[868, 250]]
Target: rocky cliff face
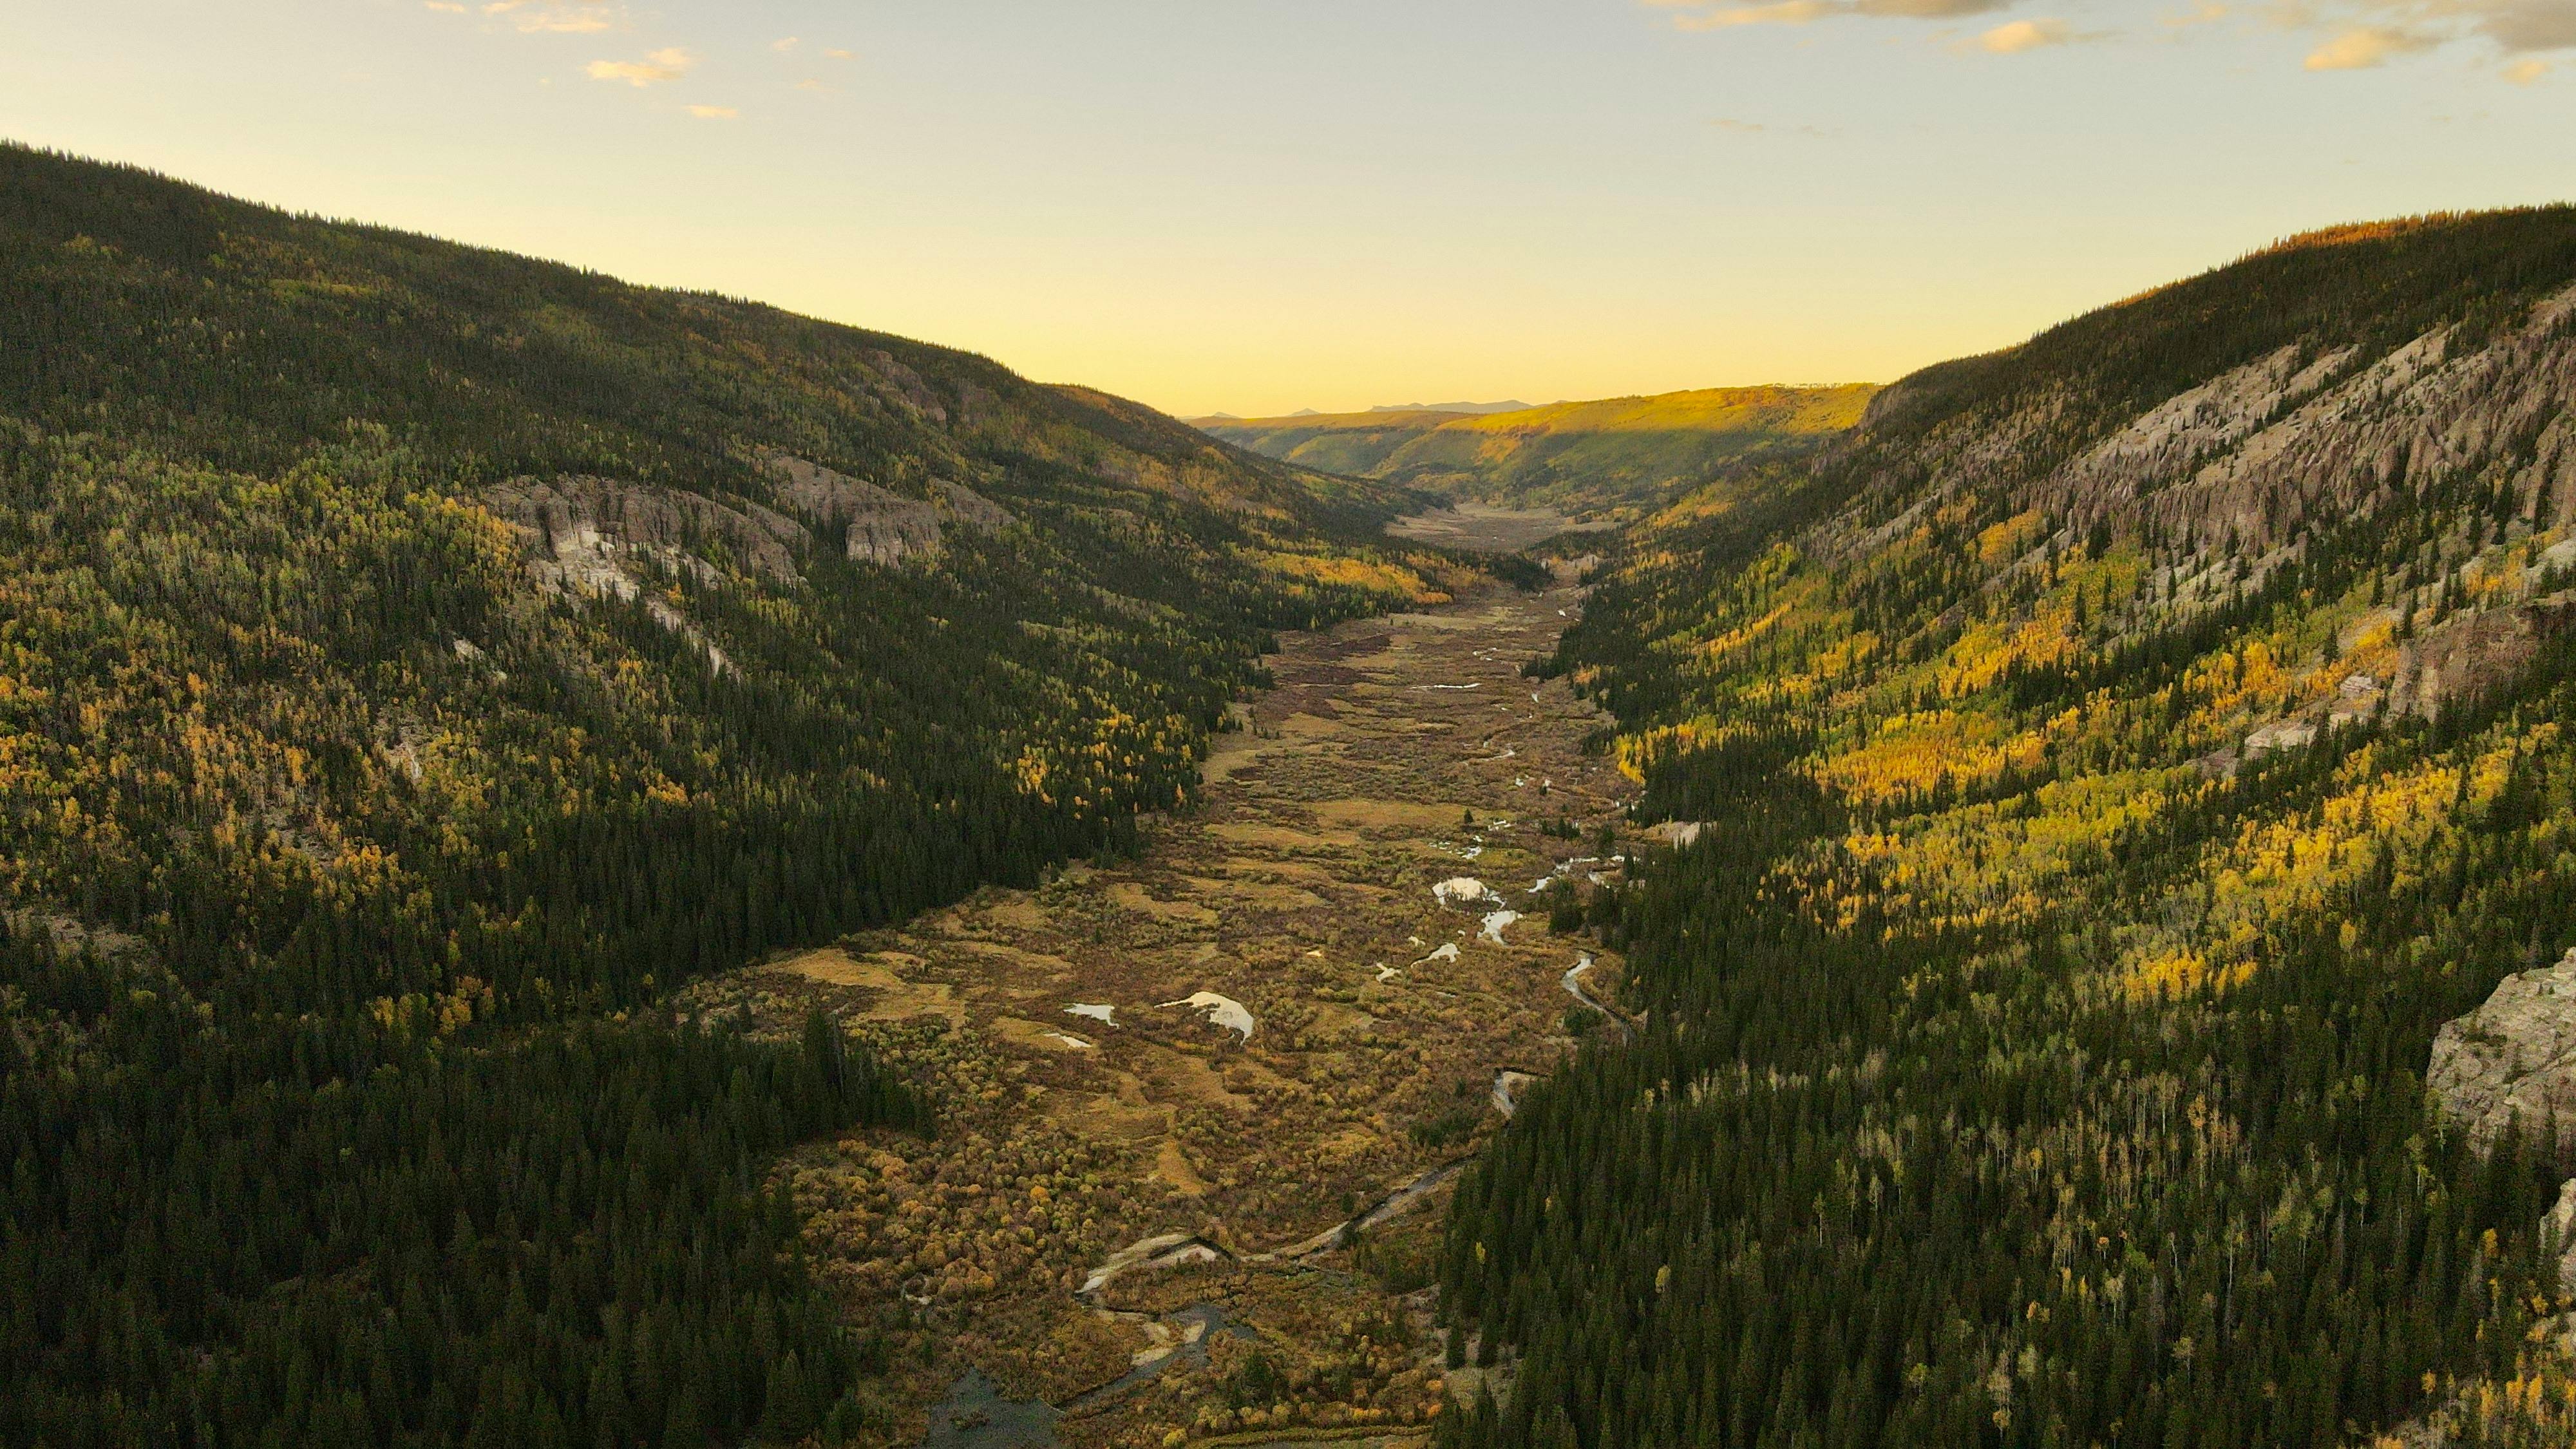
[[2307, 431], [597, 536], [2512, 1058], [590, 533], [2242, 464], [2252, 467], [878, 526]]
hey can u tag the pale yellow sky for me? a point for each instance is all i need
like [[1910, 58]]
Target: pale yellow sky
[[1255, 206]]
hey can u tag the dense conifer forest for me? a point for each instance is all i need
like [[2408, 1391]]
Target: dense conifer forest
[[2104, 772], [352, 824], [2116, 761]]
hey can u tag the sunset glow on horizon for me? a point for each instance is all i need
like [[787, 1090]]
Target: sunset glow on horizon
[[1257, 208]]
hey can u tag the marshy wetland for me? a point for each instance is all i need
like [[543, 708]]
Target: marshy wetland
[[1199, 1108]]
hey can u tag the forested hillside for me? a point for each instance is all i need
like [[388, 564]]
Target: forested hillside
[[2113, 764], [1614, 456], [414, 661]]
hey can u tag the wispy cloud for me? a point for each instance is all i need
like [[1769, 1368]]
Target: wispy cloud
[[2528, 25], [2346, 34], [2515, 27], [714, 113], [2014, 37], [786, 45], [561, 17], [2009, 38], [840, 55], [668, 64], [2364, 48], [1727, 14]]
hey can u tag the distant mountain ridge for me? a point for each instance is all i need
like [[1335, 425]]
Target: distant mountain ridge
[[1462, 408], [1616, 455]]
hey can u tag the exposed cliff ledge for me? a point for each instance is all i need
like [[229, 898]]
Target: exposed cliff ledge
[[587, 535], [878, 526], [2306, 432], [2471, 653], [2515, 1056], [587, 532]]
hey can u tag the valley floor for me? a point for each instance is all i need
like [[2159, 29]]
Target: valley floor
[[1485, 528], [1214, 1056]]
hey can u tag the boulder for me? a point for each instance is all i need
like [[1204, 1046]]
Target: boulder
[[1462, 891], [2515, 1055]]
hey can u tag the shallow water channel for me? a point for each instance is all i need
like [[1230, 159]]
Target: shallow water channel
[[974, 1415]]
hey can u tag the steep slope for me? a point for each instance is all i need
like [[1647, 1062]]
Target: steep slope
[[413, 661], [2102, 775], [1608, 456]]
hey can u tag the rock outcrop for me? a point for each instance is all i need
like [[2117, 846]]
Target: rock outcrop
[[2561, 1219], [2513, 1057], [587, 533], [2233, 473], [2293, 436], [2470, 653], [589, 536], [878, 526]]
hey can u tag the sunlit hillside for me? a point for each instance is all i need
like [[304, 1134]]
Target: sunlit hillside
[[2104, 773], [1612, 455]]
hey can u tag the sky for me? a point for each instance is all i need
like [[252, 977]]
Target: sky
[[1256, 206]]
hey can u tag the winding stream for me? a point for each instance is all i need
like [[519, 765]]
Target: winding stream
[[1508, 1085], [1347, 749], [975, 1416], [1573, 980]]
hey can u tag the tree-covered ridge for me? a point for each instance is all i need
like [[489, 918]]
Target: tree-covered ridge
[[1616, 455], [2118, 760], [350, 775], [242, 335]]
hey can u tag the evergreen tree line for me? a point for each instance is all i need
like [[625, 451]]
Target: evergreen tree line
[[1884, 1186], [316, 1233]]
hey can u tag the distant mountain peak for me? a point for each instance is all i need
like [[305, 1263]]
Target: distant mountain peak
[[1513, 406]]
